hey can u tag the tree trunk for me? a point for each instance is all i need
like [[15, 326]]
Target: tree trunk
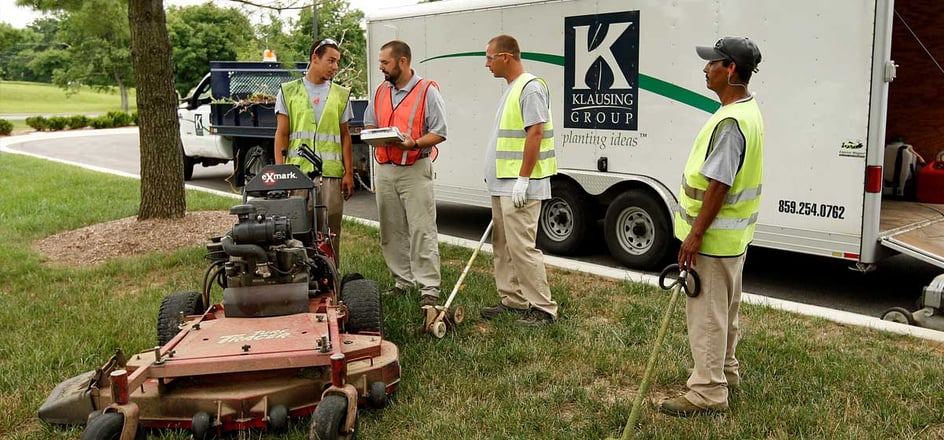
[[162, 178]]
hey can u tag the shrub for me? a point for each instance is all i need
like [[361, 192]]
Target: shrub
[[58, 122], [6, 127], [134, 117], [78, 121], [102, 122], [119, 118], [38, 123]]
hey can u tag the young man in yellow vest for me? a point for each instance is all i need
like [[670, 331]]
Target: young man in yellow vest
[[404, 173], [718, 205], [518, 165], [313, 110]]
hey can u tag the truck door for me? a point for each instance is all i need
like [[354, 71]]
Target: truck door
[[194, 118]]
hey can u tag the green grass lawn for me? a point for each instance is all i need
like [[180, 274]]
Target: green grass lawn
[[803, 378], [38, 98]]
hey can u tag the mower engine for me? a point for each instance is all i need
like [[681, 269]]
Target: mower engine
[[261, 250]]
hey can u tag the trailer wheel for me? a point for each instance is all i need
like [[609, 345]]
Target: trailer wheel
[[107, 427], [188, 162], [564, 221], [364, 310], [899, 315], [168, 318], [254, 158], [638, 230], [328, 418]]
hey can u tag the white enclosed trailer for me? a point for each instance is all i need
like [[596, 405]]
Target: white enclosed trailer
[[628, 97]]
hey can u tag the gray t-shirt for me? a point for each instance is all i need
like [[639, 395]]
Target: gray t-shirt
[[726, 154], [317, 95], [534, 110], [435, 119]]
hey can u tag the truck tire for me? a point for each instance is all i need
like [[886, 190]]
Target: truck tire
[[188, 162], [190, 303], [565, 220], [364, 310], [253, 159], [638, 230]]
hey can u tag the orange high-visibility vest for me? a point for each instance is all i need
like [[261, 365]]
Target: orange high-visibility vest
[[408, 117]]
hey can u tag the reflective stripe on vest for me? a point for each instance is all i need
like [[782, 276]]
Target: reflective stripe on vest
[[733, 228], [512, 135], [325, 135], [408, 117]]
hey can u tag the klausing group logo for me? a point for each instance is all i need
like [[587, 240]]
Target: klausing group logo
[[601, 72]]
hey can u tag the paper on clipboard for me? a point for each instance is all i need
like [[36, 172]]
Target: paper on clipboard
[[382, 136]]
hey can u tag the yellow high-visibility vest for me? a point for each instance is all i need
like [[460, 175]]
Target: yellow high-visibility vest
[[326, 134], [733, 228], [511, 137]]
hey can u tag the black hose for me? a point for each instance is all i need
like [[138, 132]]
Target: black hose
[[243, 250]]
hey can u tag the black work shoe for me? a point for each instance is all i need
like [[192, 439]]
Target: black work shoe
[[535, 318], [429, 300], [396, 291], [489, 313]]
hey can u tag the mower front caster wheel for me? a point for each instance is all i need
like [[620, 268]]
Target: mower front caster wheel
[[377, 395], [107, 426], [328, 418], [899, 315]]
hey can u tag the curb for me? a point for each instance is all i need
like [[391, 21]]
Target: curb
[[838, 316]]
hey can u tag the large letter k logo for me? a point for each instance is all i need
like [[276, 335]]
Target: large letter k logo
[[584, 59]]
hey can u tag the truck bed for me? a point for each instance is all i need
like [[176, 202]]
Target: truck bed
[[915, 229]]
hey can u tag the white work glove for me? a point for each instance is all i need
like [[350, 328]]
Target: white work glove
[[519, 194]]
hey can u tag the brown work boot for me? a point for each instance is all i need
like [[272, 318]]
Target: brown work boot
[[489, 313], [682, 407], [429, 300], [535, 318], [396, 291]]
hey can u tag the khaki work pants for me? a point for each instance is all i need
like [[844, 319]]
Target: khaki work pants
[[333, 200], [409, 238], [520, 275], [713, 330]]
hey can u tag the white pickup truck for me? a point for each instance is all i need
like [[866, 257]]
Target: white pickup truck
[[230, 116]]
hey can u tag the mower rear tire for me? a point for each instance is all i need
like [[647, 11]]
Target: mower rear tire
[[107, 427], [353, 276], [364, 310], [328, 418], [168, 318]]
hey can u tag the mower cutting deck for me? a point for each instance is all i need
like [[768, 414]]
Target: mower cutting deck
[[290, 339]]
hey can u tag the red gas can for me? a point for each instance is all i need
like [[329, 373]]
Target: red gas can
[[931, 183]]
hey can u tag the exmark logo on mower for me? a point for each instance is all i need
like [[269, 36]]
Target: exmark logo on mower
[[601, 71], [258, 335], [271, 178]]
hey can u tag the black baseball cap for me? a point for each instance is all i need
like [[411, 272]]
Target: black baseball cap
[[741, 50]]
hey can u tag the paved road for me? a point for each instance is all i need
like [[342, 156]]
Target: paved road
[[795, 277]]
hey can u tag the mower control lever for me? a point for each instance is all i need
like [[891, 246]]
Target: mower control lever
[[690, 282]]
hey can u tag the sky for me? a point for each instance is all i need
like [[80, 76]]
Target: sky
[[19, 17]]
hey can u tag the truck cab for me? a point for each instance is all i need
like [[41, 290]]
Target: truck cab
[[197, 144]]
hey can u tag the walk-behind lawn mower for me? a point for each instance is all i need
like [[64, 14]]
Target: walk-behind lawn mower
[[290, 338]]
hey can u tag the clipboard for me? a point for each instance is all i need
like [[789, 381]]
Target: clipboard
[[382, 136]]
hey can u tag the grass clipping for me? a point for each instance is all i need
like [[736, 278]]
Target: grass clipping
[[96, 244]]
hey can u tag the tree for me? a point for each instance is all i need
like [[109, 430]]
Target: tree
[[162, 178], [95, 33], [203, 33], [338, 21]]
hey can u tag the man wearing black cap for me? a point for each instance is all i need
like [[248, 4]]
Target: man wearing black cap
[[718, 204]]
